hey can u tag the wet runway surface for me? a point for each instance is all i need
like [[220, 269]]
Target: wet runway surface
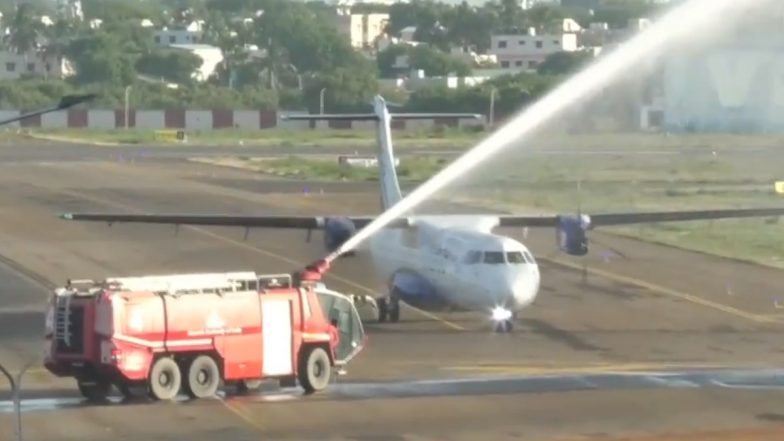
[[652, 343]]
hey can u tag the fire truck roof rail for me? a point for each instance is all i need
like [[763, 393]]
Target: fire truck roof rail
[[275, 281], [173, 283]]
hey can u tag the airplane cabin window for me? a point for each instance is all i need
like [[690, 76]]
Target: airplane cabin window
[[515, 257], [494, 257]]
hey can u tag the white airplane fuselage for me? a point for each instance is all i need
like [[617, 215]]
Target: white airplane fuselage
[[445, 263]]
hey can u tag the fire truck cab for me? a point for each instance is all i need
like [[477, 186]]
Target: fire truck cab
[[191, 332]]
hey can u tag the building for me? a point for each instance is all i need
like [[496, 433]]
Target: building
[[70, 9], [362, 29], [192, 34], [528, 4], [730, 83], [14, 66], [527, 51]]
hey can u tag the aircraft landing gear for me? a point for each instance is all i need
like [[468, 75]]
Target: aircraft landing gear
[[389, 308], [505, 326]]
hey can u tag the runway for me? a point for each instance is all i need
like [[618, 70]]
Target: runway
[[651, 343]]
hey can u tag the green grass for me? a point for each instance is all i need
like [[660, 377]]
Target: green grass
[[433, 138], [449, 138], [410, 169], [608, 183]]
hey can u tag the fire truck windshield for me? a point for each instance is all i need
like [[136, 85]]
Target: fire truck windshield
[[341, 311]]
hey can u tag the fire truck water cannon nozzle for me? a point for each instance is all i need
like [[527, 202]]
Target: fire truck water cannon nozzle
[[315, 271]]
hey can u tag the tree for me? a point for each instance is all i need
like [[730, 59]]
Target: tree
[[24, 30], [563, 63], [174, 65], [433, 61], [100, 59]]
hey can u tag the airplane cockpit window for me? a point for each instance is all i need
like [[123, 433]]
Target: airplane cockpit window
[[494, 257], [473, 257], [529, 257], [515, 257]]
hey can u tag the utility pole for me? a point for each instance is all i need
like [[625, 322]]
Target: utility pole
[[127, 109]]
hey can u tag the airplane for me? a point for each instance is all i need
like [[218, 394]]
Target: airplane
[[443, 261]]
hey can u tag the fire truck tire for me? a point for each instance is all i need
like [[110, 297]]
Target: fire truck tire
[[315, 370], [94, 390], [165, 379], [203, 377]]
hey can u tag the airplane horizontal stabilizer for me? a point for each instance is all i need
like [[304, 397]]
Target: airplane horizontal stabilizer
[[374, 117]]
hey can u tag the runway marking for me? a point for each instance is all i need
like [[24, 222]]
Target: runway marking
[[244, 414], [668, 291], [254, 249], [587, 369]]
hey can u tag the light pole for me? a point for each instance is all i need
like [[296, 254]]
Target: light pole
[[127, 93], [492, 106], [321, 100]]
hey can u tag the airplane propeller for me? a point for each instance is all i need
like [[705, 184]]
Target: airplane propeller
[[589, 239]]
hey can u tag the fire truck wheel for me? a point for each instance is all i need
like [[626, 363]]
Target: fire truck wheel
[[165, 379], [94, 390], [315, 371], [203, 377]]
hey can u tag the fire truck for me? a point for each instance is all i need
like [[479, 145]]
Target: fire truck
[[192, 333]]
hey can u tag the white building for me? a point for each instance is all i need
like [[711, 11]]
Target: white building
[[70, 9], [190, 35], [527, 51], [362, 29], [13, 66], [528, 4]]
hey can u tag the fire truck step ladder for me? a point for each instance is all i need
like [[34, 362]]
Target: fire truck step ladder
[[62, 329]]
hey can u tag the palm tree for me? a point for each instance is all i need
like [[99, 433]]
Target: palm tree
[[23, 30]]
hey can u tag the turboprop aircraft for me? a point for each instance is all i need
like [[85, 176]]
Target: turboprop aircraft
[[438, 262]]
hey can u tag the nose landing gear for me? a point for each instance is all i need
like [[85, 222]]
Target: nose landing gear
[[389, 308], [504, 322]]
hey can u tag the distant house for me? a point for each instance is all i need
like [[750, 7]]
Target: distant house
[[526, 51], [362, 30], [14, 66]]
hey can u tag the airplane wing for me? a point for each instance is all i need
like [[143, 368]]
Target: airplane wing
[[292, 222], [318, 222], [65, 102], [610, 219]]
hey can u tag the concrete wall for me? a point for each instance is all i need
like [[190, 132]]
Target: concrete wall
[[200, 120]]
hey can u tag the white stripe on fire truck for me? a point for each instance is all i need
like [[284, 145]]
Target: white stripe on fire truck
[[160, 343], [320, 336]]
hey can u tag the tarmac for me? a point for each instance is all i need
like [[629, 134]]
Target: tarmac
[[655, 344]]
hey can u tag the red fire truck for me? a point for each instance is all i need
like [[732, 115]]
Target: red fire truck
[[192, 332]]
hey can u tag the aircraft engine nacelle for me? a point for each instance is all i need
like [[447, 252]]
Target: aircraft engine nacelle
[[571, 231], [337, 230]]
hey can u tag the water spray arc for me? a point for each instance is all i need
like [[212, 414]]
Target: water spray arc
[[681, 22]]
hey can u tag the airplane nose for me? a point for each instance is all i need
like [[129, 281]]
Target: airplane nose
[[524, 287]]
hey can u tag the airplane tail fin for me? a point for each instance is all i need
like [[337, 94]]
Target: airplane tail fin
[[390, 187]]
